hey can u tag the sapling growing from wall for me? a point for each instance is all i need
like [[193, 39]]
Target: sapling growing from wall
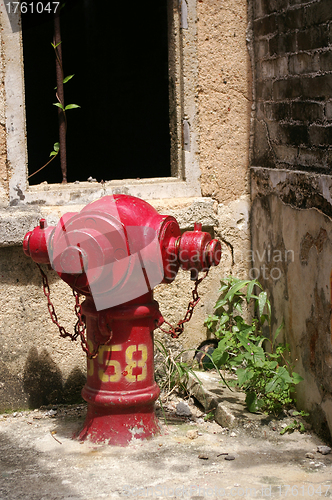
[[59, 147]]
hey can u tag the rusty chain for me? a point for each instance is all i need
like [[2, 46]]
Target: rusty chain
[[176, 331], [79, 328]]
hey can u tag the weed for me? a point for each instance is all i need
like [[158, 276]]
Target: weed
[[267, 377], [209, 417], [295, 425], [174, 371]]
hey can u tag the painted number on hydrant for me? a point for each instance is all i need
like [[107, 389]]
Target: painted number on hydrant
[[134, 370]]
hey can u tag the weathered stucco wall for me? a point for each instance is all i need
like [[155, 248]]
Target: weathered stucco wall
[[37, 366], [225, 98], [292, 251]]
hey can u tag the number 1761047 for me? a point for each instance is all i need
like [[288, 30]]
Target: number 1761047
[[32, 7]]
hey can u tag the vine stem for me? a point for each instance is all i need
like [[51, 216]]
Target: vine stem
[[60, 95], [41, 168]]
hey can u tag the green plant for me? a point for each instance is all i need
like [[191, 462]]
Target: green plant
[[209, 417], [63, 108], [295, 425], [66, 79], [173, 372], [267, 377]]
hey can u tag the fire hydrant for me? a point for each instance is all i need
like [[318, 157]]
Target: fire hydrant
[[114, 252]]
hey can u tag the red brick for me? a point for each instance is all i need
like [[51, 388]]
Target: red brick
[[317, 87], [261, 49], [328, 110], [278, 111], [296, 135], [264, 90]]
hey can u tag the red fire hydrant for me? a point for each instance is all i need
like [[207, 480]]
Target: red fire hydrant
[[114, 252]]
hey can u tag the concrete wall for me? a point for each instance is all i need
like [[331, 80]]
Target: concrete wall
[[210, 186], [292, 249]]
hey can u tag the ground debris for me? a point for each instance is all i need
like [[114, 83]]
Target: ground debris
[[183, 410], [324, 450]]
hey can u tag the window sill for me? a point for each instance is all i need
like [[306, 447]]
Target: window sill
[[84, 192]]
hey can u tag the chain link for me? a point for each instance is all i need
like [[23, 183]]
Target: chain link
[[79, 328], [176, 331]]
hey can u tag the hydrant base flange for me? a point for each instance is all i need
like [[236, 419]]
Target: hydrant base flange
[[116, 427]]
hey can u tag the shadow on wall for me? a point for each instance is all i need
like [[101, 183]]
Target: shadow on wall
[[11, 391], [43, 382]]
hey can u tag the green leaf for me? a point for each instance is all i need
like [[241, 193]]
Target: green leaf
[[289, 427], [301, 413], [261, 302], [55, 46], [250, 289], [280, 380], [283, 374], [253, 403], [72, 106], [235, 288], [220, 303], [278, 330], [238, 307], [223, 288], [69, 77], [53, 153], [243, 375], [296, 378], [224, 319], [219, 357], [56, 146], [59, 105]]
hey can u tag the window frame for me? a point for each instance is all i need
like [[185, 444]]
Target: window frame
[[183, 123]]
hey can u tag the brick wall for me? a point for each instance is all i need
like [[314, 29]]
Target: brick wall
[[293, 62]]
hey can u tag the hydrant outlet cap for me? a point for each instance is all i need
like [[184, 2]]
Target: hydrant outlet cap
[[74, 260], [213, 253]]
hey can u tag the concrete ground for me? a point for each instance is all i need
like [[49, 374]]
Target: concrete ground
[[191, 458]]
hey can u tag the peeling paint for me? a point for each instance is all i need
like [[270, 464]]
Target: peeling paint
[[309, 241]]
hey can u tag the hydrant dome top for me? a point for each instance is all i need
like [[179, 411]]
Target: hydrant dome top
[[124, 208]]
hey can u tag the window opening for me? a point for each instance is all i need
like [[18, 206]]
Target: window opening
[[118, 52]]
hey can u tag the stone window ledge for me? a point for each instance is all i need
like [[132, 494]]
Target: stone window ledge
[[18, 220]]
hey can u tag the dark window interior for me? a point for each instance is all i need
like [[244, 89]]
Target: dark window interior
[[119, 55]]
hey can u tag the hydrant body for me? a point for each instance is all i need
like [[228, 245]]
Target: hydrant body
[[115, 251], [120, 389]]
